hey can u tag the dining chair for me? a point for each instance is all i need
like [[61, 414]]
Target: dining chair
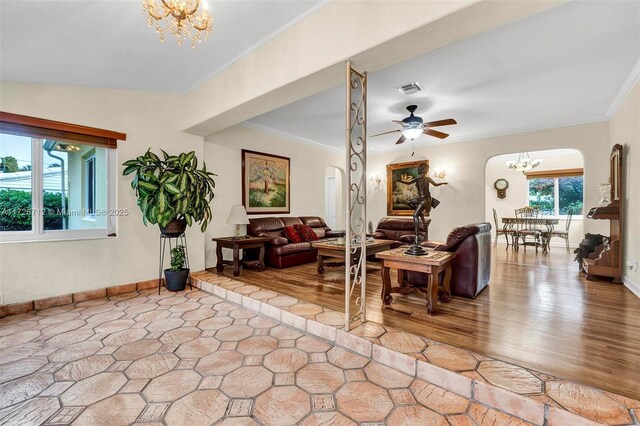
[[527, 229], [500, 230], [563, 234]]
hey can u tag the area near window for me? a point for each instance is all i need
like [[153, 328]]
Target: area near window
[[55, 179], [557, 192]]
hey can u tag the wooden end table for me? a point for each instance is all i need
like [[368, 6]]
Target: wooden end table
[[237, 244], [335, 251], [431, 264]]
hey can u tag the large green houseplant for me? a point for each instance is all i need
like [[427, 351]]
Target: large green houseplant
[[172, 192]]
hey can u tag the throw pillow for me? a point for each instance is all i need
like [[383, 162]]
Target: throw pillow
[[306, 232], [292, 235]]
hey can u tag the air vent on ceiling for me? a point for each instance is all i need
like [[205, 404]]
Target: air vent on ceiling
[[410, 88]]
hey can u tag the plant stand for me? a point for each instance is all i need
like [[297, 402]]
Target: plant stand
[[181, 240]]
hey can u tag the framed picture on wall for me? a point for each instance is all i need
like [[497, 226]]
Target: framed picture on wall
[[399, 193], [266, 184]]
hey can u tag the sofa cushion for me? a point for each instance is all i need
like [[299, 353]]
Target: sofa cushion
[[292, 248], [293, 235], [290, 221], [265, 227], [307, 232]]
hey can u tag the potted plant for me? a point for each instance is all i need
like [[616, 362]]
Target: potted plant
[[176, 276], [172, 192]]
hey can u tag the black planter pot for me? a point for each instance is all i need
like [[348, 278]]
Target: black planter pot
[[176, 281], [175, 228]]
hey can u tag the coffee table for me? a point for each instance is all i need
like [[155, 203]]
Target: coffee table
[[335, 251], [431, 264]]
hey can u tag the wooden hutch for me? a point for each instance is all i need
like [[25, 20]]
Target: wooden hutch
[[607, 261]]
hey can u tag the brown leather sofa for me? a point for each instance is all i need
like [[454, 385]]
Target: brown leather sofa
[[280, 253], [471, 268], [400, 229]]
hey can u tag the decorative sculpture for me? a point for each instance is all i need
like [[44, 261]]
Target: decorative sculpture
[[424, 203]]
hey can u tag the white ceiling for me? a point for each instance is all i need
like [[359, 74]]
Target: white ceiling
[[106, 43], [563, 66]]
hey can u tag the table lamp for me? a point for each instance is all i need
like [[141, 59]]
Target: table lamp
[[238, 216]]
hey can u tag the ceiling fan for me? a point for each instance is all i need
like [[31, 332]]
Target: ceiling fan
[[413, 126]]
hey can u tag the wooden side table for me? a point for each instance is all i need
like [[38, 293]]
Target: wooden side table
[[431, 264], [237, 244]]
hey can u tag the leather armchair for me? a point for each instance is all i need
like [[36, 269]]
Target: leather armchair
[[471, 268], [400, 229]]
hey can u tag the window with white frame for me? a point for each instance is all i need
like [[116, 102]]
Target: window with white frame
[[557, 192], [60, 187]]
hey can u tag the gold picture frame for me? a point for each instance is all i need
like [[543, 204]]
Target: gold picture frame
[[266, 186], [399, 193]]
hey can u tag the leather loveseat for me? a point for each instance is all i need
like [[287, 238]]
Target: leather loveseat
[[279, 251], [400, 230], [471, 268]]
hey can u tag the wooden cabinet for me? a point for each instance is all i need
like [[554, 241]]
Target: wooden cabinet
[[607, 261]]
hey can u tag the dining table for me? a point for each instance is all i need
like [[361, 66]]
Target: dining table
[[545, 224]]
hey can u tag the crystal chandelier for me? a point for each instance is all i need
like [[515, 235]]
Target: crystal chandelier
[[524, 163], [180, 17]]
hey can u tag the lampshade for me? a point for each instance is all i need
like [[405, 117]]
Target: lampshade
[[411, 133], [238, 216]]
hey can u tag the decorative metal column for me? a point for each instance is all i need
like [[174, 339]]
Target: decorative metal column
[[356, 196]]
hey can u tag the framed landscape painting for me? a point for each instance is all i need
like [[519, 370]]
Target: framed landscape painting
[[265, 183], [399, 193]]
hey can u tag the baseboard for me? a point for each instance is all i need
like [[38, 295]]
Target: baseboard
[[633, 287]]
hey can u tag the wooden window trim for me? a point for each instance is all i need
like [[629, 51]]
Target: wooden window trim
[[23, 125], [555, 173]]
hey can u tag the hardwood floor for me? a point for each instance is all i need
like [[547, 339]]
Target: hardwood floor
[[537, 312]]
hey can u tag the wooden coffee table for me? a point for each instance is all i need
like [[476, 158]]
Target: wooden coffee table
[[431, 264], [237, 244], [334, 251]]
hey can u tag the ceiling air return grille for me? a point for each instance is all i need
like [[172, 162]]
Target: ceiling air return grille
[[410, 88]]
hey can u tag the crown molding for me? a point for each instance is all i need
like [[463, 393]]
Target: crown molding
[[263, 41], [493, 134], [628, 84], [292, 137]]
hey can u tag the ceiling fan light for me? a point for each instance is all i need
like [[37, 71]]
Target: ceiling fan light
[[411, 133]]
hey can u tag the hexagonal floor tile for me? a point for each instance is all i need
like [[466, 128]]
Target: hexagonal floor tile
[[403, 342], [312, 345], [369, 329], [21, 368], [285, 405], [285, 360], [75, 351], [234, 333], [510, 376], [171, 386], [364, 402], [321, 377], [117, 409], [164, 324], [416, 414], [198, 408], [199, 314], [282, 332], [180, 335], [325, 418], [93, 389], [83, 368], [387, 377], [125, 336], [197, 348], [438, 399], [219, 363], [32, 412], [215, 323], [483, 415], [136, 350], [257, 345], [113, 326], [246, 382], [451, 357], [151, 366], [23, 388], [345, 359]]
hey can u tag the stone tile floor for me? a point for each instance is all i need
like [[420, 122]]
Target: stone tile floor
[[190, 358]]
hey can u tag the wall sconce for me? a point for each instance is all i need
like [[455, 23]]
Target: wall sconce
[[376, 179], [439, 175]]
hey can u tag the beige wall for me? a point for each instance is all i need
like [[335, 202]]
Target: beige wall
[[40, 269], [518, 191], [625, 129], [463, 200], [308, 173]]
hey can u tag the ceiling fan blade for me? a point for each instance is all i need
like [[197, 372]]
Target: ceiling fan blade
[[401, 140], [447, 122], [435, 133], [380, 134], [397, 121]]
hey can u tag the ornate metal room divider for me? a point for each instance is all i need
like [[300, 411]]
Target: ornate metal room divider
[[356, 196]]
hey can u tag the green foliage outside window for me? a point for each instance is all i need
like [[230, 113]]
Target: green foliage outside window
[[571, 190], [542, 193], [16, 212]]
